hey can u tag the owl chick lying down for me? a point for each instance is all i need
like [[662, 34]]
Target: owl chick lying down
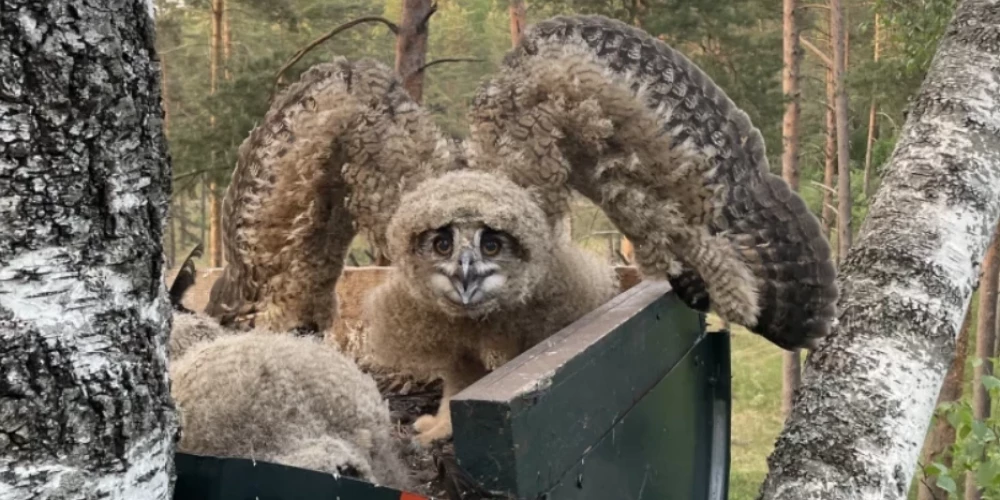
[[478, 273], [284, 399]]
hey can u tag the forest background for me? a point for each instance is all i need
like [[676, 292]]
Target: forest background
[[220, 57]]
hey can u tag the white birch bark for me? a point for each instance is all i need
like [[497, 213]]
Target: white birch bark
[[85, 409], [868, 392]]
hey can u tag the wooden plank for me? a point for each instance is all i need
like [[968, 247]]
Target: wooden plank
[[522, 427], [673, 444], [215, 478]]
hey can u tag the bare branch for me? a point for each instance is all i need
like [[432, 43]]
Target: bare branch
[[334, 32], [435, 62], [817, 52], [824, 187]]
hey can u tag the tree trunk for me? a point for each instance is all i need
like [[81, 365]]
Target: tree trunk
[[518, 20], [628, 251], [868, 391], [943, 435], [203, 209], [843, 147], [85, 408], [872, 119], [215, 226], [986, 325], [215, 198], [791, 55], [182, 221], [227, 41], [411, 45], [830, 155]]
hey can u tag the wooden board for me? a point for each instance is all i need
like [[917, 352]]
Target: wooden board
[[637, 370]]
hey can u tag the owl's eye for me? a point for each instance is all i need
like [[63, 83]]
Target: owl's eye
[[491, 246], [442, 244]]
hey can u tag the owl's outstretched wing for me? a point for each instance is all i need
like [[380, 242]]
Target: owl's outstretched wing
[[592, 104], [330, 157]]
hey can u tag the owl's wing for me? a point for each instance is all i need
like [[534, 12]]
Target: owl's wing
[[330, 158], [592, 104]]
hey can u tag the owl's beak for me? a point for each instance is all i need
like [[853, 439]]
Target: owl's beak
[[467, 276]]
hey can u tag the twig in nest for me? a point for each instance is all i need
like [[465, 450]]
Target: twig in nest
[[305, 50]]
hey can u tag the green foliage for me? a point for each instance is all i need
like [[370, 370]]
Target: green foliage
[[976, 450]]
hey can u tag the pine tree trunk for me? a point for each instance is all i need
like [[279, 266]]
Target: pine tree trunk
[[204, 208], [85, 408], [872, 119], [943, 434], [869, 391], [986, 326], [843, 140], [215, 197], [411, 45], [182, 221], [792, 54], [215, 226], [830, 156], [518, 21]]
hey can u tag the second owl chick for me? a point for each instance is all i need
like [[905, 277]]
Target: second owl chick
[[478, 269], [285, 399]]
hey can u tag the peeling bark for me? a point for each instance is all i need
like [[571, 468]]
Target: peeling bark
[[85, 409], [869, 390]]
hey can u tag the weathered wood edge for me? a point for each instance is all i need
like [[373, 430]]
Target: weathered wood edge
[[513, 432]]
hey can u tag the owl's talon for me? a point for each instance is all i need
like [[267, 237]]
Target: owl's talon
[[441, 431], [425, 423]]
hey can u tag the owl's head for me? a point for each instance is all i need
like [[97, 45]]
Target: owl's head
[[470, 243]]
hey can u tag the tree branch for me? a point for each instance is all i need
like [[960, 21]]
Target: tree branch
[[435, 62], [816, 52], [422, 25], [334, 32]]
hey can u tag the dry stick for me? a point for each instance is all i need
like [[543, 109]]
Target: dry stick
[[442, 60], [334, 32]]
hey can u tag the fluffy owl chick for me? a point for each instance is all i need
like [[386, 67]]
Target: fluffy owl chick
[[478, 269], [190, 329], [285, 399]]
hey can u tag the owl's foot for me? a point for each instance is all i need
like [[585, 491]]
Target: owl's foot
[[425, 423], [439, 431]]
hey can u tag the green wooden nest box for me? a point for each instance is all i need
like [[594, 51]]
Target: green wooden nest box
[[631, 401]]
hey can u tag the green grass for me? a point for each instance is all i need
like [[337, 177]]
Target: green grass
[[756, 417], [756, 367]]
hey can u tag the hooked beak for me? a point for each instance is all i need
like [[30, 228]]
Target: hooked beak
[[468, 278]]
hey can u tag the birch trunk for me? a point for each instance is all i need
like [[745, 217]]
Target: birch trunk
[[869, 390], [791, 55], [85, 408], [986, 324]]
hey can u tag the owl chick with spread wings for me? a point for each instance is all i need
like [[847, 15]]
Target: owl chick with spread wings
[[583, 104]]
